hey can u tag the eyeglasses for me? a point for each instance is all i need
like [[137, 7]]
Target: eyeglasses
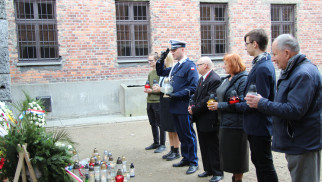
[[200, 64], [150, 60], [246, 43]]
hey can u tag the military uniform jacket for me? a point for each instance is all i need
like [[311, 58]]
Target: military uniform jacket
[[184, 81], [205, 119]]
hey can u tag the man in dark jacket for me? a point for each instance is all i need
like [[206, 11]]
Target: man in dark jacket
[[184, 78], [207, 121], [296, 110], [257, 125]]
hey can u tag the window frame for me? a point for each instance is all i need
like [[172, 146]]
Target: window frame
[[132, 23], [38, 24], [280, 23], [213, 23]]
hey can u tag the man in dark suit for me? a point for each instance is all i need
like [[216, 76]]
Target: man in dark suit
[[206, 120], [183, 77]]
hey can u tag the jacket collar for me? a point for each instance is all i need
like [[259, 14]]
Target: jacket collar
[[292, 64]]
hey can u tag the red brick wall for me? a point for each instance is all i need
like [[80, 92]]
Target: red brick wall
[[309, 30], [87, 36], [176, 20], [244, 16]]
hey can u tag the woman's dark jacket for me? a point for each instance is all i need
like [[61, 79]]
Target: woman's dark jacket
[[230, 118]]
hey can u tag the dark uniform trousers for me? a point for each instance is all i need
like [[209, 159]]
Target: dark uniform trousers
[[187, 137]]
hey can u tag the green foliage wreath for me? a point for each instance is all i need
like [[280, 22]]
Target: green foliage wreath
[[45, 155]]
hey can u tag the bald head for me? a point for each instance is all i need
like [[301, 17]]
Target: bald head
[[204, 65], [207, 60]]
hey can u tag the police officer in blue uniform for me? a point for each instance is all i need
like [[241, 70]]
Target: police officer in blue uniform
[[183, 77]]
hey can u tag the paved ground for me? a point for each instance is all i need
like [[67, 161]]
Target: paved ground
[[130, 137]]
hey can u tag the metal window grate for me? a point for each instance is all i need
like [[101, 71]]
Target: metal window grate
[[213, 19], [37, 30], [282, 20], [133, 29]]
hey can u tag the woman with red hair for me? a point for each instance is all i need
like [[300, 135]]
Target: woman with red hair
[[232, 138]]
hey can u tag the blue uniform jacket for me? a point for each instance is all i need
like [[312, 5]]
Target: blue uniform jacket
[[263, 76], [296, 111], [184, 83]]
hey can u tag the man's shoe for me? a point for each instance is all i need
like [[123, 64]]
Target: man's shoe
[[192, 169], [173, 156], [152, 146], [216, 178], [166, 155], [205, 174], [160, 149], [181, 164]]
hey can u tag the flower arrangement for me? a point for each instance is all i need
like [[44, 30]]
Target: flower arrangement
[[47, 155]]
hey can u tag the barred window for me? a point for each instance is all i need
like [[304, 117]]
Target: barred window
[[282, 20], [133, 29], [213, 20], [36, 30]]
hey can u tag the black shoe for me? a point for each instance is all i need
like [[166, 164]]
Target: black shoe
[[205, 174], [192, 169], [181, 164], [152, 146], [173, 156], [166, 155], [160, 149], [216, 178]]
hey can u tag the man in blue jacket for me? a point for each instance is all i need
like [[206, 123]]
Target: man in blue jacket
[[296, 110], [183, 77], [257, 125]]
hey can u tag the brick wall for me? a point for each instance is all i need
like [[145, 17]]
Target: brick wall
[[87, 36], [309, 30], [176, 20]]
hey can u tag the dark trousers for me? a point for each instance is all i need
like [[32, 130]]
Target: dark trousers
[[261, 156], [209, 148], [187, 137], [153, 110]]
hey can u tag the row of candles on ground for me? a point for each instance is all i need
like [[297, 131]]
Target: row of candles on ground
[[103, 170]]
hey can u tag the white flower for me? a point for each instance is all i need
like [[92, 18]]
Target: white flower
[[69, 147], [31, 122], [30, 104], [36, 123]]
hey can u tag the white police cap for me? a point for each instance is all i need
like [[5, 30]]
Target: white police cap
[[177, 44]]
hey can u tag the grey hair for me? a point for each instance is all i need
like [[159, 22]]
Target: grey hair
[[287, 41], [208, 61]]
